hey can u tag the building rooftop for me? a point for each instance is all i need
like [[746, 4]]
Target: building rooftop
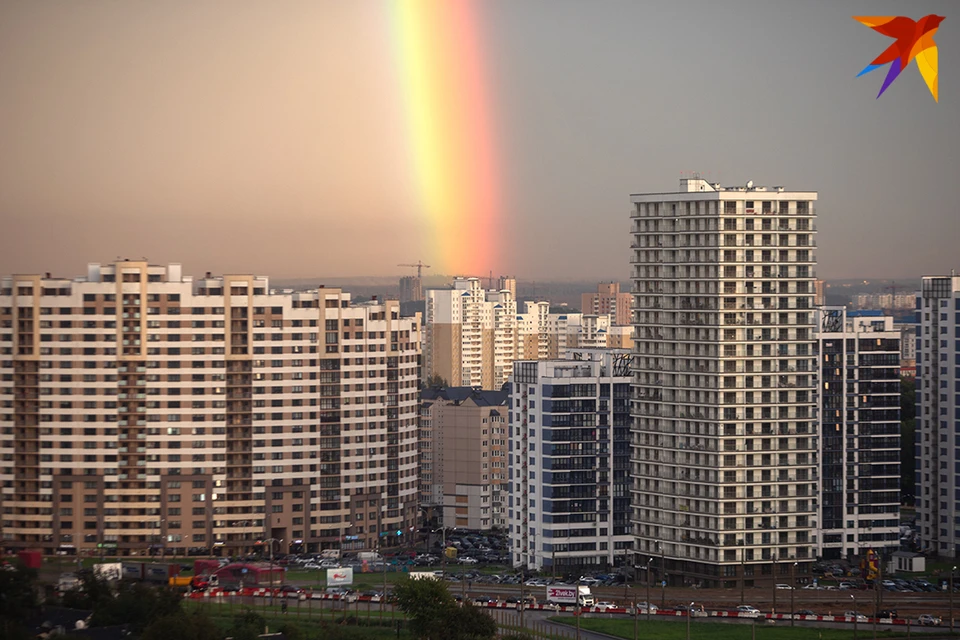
[[458, 395]]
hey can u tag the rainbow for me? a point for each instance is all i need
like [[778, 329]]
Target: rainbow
[[451, 131]]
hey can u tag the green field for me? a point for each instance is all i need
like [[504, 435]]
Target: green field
[[660, 630]]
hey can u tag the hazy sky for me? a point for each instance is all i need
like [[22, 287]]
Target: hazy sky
[[272, 137]]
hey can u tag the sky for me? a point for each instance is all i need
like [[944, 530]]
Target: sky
[[330, 138]]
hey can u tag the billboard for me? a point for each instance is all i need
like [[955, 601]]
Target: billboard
[[562, 595], [336, 577], [108, 571]]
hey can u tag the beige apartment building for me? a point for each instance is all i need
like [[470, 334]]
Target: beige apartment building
[[142, 409], [608, 300], [466, 441], [471, 334], [542, 335], [725, 440]]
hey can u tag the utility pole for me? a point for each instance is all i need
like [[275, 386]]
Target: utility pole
[[271, 541], [689, 615], [952, 571], [521, 603], [856, 615], [649, 578], [774, 583], [793, 587], [579, 610], [743, 571], [663, 579]]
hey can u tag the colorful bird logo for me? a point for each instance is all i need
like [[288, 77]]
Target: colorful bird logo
[[914, 40]]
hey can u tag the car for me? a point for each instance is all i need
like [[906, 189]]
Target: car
[[290, 588], [846, 586], [747, 611], [643, 606], [812, 587], [784, 587], [929, 620], [853, 615], [805, 612], [604, 606], [887, 613]]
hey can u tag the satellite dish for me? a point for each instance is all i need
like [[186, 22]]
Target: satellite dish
[[749, 184]]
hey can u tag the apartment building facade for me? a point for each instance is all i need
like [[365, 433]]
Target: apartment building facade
[[569, 503], [938, 414], [542, 335], [471, 334], [724, 458], [467, 441], [859, 398], [142, 409], [608, 300]]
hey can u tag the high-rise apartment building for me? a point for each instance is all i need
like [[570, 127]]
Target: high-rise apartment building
[[411, 289], [859, 398], [938, 414], [140, 408], [542, 335], [467, 443], [608, 300], [569, 506], [471, 334], [725, 447]]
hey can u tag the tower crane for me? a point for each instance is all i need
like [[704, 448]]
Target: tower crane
[[419, 266]]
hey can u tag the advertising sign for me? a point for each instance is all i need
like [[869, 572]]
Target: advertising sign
[[337, 577], [108, 571], [423, 575], [562, 595]]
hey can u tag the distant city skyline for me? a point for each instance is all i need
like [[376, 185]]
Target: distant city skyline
[[325, 139]]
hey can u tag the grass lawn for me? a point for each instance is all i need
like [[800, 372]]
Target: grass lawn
[[660, 630], [304, 610]]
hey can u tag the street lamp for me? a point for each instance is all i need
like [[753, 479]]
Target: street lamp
[[663, 578], [856, 615], [689, 615], [793, 587], [163, 538], [271, 541], [774, 583], [743, 569], [952, 571]]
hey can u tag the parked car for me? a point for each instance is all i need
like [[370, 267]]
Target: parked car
[[929, 620], [784, 586]]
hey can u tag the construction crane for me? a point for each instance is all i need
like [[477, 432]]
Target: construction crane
[[419, 266]]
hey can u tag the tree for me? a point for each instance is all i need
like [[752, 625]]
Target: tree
[[248, 625], [435, 615], [183, 626], [18, 600], [435, 382]]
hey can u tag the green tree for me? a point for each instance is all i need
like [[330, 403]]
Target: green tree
[[18, 600], [435, 615], [248, 625], [183, 626], [908, 438], [435, 382], [292, 631]]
